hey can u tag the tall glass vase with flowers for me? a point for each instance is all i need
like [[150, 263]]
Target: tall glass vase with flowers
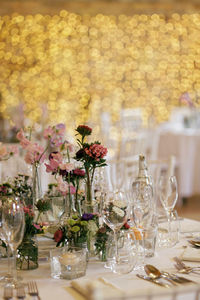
[[92, 156], [68, 178], [27, 258], [36, 154]]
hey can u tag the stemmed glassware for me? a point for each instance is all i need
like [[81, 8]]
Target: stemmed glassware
[[115, 213], [168, 194], [13, 230], [142, 214]]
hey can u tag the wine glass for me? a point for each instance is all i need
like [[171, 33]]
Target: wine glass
[[115, 213], [168, 193], [13, 224], [142, 214]]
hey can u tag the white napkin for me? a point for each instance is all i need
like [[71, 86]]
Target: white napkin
[[191, 254], [96, 289]]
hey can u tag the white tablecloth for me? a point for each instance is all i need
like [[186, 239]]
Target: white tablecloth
[[185, 145], [51, 289]]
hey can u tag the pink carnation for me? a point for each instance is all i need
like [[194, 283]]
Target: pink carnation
[[96, 151]]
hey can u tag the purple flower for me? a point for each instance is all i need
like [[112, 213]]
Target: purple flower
[[87, 217]]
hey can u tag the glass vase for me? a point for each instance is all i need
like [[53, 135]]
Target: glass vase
[[37, 187], [27, 257], [90, 204]]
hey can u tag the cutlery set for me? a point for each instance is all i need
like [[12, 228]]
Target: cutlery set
[[169, 280], [20, 292]]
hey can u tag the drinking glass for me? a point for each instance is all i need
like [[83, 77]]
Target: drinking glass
[[13, 229], [115, 213], [168, 193]]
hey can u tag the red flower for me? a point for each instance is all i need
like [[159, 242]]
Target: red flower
[[126, 226], [84, 130], [58, 235], [79, 172]]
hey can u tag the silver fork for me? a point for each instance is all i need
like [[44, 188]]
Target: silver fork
[[33, 289], [183, 268], [21, 292], [8, 292]]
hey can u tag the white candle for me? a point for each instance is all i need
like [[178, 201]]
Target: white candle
[[69, 258]]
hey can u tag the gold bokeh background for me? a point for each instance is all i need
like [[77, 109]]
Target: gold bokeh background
[[71, 67]]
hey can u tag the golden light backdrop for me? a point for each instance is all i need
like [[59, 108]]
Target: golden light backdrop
[[79, 66]]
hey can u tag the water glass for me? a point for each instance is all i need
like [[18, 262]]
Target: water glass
[[149, 240], [169, 236], [127, 256], [55, 255]]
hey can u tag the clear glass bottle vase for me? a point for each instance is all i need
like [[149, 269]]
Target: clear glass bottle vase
[[37, 187]]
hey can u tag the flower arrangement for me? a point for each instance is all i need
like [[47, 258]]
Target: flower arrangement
[[92, 156], [76, 230], [36, 154]]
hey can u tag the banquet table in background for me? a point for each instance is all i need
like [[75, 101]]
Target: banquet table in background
[[185, 145], [113, 286]]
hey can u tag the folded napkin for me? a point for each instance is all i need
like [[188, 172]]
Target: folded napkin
[[96, 289], [191, 254]]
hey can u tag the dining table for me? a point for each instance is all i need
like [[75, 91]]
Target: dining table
[[101, 283]]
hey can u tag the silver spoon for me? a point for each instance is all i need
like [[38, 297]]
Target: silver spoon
[[195, 243], [154, 273]]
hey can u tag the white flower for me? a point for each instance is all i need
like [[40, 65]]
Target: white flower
[[119, 203], [92, 227], [118, 211]]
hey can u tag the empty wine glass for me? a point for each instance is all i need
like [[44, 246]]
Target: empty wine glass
[[141, 215], [13, 229], [115, 213], [168, 194]]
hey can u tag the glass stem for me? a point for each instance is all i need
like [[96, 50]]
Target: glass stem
[[14, 269], [9, 264], [169, 224], [116, 245]]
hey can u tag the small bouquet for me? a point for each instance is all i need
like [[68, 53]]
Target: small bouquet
[[75, 231]]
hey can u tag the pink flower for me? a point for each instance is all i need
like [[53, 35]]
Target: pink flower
[[67, 146], [24, 142], [96, 151], [68, 166], [13, 150], [35, 153], [55, 134], [48, 132], [52, 167], [37, 226], [3, 151], [64, 187]]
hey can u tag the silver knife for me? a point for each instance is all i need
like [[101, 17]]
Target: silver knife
[[152, 280]]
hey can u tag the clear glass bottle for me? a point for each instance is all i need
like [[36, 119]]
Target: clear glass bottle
[[142, 195]]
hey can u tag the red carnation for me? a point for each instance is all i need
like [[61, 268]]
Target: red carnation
[[58, 235], [79, 172], [84, 130], [126, 226]]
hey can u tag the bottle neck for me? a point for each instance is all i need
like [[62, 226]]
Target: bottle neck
[[143, 170]]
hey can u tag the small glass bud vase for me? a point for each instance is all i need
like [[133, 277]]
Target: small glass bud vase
[[37, 187], [27, 257]]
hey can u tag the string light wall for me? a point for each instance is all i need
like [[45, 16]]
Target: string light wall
[[71, 68]]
